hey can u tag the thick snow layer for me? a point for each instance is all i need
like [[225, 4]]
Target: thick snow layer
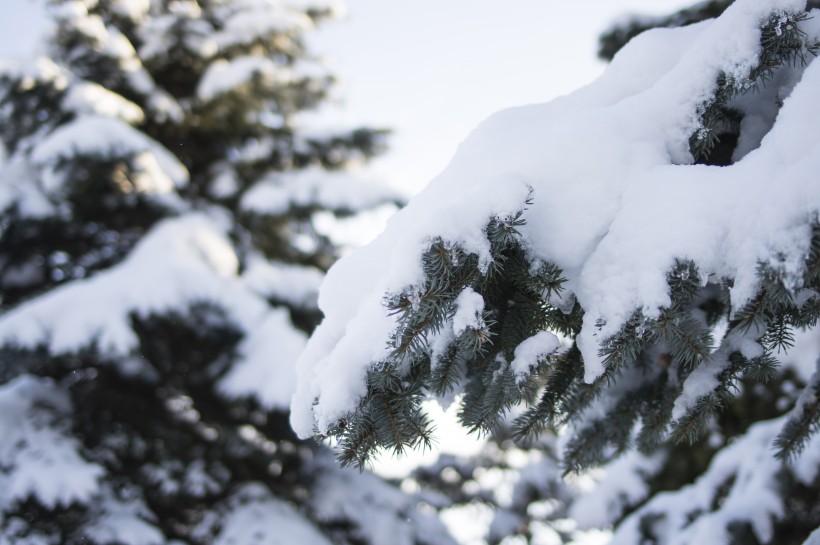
[[182, 261], [314, 187], [40, 70], [532, 350], [98, 136], [122, 521], [93, 99], [623, 485], [36, 459], [381, 513], [16, 189], [469, 310], [267, 370], [223, 76], [256, 516], [814, 538], [297, 285], [247, 21], [752, 475], [616, 201], [135, 10]]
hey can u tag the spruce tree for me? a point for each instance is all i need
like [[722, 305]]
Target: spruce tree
[[641, 301], [159, 265]]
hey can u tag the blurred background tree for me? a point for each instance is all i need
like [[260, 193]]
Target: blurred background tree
[[159, 267]]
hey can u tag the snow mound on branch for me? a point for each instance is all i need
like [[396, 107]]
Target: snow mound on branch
[[297, 285], [222, 76], [16, 190], [532, 350], [752, 474], [250, 20], [182, 261], [36, 459], [315, 188], [616, 200], [255, 515], [91, 98], [122, 521], [469, 309], [104, 137], [381, 513], [624, 484]]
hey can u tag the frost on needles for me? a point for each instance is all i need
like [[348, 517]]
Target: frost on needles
[[615, 265]]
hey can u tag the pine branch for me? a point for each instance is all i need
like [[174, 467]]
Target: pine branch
[[782, 42], [688, 341], [565, 372], [801, 424]]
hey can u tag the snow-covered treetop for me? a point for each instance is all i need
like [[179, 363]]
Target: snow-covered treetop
[[611, 197]]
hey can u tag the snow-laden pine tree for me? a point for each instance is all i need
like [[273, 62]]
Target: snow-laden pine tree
[[635, 268], [159, 265]]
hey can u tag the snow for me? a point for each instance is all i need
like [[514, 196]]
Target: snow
[[255, 516], [532, 350], [135, 10], [104, 137], [93, 99], [468, 523], [622, 485], [312, 187], [161, 32], [469, 310], [267, 369], [122, 521], [180, 262], [247, 21], [616, 201], [334, 7], [223, 76], [353, 231], [40, 70], [752, 477], [381, 513], [814, 538], [297, 285], [16, 189], [807, 465], [36, 458]]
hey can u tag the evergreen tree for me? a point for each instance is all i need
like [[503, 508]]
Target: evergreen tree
[[633, 268], [159, 265]]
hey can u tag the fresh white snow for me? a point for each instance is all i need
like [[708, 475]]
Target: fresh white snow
[[38, 458], [182, 261], [616, 200], [531, 351], [751, 474], [469, 310], [315, 188]]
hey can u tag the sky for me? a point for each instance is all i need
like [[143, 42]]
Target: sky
[[432, 70]]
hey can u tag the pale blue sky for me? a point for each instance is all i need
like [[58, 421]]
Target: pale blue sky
[[431, 70]]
